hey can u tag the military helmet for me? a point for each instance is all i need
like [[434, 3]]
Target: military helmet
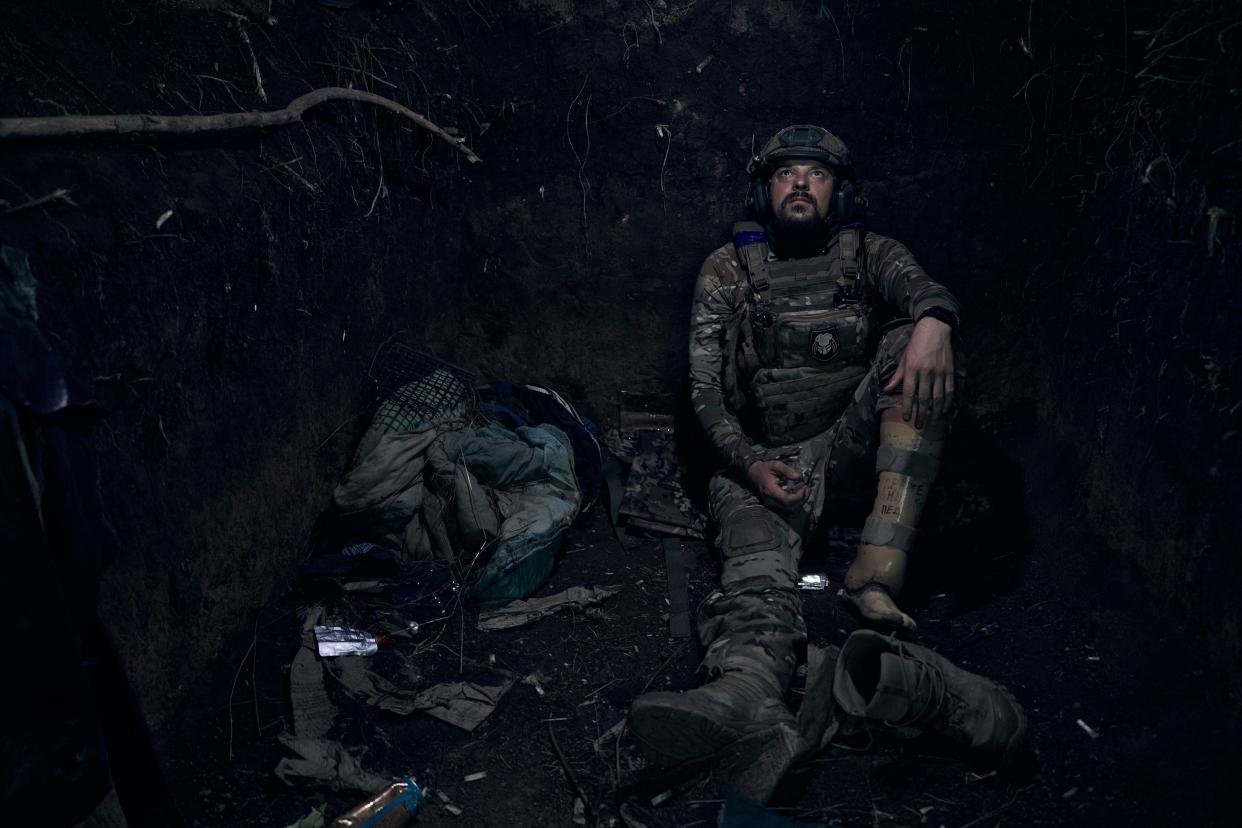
[[802, 141]]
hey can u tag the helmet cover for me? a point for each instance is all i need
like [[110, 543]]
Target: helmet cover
[[802, 142]]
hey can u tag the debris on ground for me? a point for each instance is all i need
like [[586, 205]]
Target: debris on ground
[[392, 807], [355, 676], [813, 582], [446, 803], [325, 762], [314, 819], [1087, 729], [510, 614], [313, 711], [342, 641], [461, 703]]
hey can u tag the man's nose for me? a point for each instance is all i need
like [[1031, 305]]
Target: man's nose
[[801, 181]]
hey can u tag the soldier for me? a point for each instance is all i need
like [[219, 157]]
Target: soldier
[[819, 352]]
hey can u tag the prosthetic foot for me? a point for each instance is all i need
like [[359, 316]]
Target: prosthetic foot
[[906, 463]]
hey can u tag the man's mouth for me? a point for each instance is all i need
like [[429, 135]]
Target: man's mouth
[[800, 199]]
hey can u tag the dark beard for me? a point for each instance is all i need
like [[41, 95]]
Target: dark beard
[[803, 236]]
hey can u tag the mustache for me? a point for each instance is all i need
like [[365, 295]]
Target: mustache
[[789, 199]]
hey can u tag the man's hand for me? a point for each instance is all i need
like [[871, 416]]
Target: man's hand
[[765, 478], [926, 373]]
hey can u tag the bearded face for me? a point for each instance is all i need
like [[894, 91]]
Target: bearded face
[[801, 196]]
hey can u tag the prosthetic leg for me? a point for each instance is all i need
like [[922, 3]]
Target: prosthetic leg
[[906, 463]]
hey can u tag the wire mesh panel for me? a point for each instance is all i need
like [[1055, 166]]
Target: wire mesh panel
[[413, 387]]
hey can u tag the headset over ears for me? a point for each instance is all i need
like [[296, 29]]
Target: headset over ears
[[801, 142]]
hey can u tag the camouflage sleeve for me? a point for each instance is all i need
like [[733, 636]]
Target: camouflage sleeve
[[717, 299], [902, 282]]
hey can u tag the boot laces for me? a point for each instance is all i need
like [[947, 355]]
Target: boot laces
[[928, 691]]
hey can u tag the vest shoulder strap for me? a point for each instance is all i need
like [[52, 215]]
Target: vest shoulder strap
[[751, 243], [847, 247], [851, 246]]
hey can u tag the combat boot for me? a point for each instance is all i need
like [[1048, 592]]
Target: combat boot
[[908, 687], [696, 726]]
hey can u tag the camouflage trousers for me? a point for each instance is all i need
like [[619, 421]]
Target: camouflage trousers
[[754, 621]]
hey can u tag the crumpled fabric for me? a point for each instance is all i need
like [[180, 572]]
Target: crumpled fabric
[[461, 703], [510, 614], [452, 494], [327, 762], [464, 704], [313, 710]]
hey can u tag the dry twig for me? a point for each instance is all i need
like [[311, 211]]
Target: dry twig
[[571, 776], [77, 126], [61, 195], [254, 59]]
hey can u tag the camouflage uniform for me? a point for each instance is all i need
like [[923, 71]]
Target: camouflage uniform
[[755, 619]]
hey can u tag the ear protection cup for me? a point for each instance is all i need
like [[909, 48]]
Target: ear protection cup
[[758, 206], [843, 201]]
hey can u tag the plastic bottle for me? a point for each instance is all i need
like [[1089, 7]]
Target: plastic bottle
[[390, 808]]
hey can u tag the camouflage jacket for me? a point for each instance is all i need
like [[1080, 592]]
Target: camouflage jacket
[[720, 299]]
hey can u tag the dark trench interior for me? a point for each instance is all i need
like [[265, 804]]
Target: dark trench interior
[[1070, 170]]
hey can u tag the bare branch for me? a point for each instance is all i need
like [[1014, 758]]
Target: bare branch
[[75, 126], [60, 195]]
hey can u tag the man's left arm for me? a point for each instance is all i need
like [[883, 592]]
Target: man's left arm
[[925, 373]]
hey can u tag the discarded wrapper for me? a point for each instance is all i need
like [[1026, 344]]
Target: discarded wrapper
[[339, 641], [390, 808], [813, 581]]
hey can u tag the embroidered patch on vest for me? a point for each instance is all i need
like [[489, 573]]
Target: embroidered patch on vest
[[824, 345]]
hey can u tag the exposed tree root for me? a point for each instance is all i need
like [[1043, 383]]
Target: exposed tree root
[[66, 126], [59, 195]]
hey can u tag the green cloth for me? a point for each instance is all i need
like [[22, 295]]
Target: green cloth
[[490, 502]]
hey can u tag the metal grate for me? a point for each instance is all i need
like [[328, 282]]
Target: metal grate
[[413, 387]]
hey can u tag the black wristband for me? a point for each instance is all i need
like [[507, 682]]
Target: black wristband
[[945, 315]]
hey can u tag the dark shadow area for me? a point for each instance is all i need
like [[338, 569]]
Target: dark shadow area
[[976, 542]]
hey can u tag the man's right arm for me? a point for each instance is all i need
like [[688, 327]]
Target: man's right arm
[[718, 299]]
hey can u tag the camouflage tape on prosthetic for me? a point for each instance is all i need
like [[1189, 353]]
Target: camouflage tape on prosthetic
[[907, 464]]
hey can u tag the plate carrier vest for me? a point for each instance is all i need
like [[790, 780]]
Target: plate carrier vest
[[803, 344]]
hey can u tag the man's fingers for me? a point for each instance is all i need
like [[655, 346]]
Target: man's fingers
[[907, 396], [938, 407], [924, 408], [897, 376], [781, 499], [787, 471]]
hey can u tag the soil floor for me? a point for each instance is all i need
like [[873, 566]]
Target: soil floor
[[1127, 726]]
